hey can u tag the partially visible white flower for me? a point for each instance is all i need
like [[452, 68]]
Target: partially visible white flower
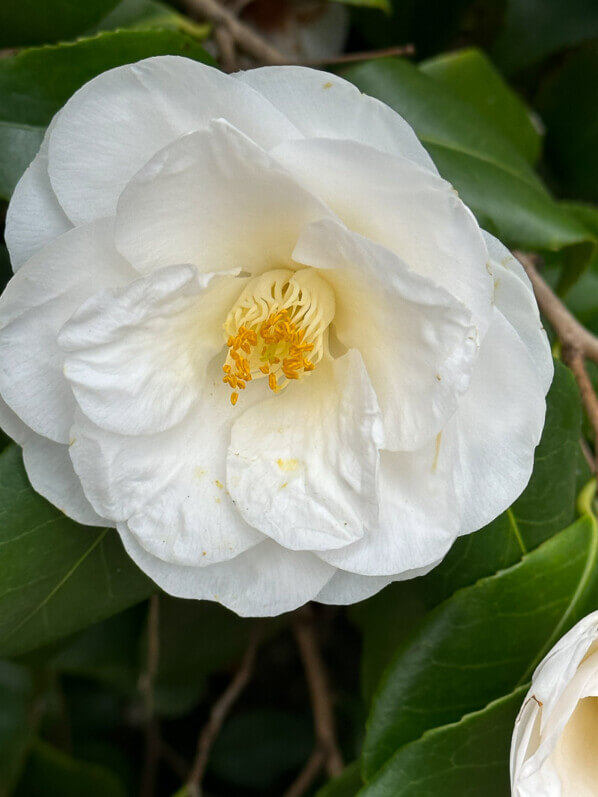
[[554, 751], [252, 328]]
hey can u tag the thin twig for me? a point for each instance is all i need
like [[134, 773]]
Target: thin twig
[[308, 774], [577, 343], [365, 55], [219, 713], [226, 48], [245, 37], [146, 686], [305, 635], [567, 327]]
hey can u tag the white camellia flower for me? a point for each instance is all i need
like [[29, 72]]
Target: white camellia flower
[[252, 328], [553, 751]]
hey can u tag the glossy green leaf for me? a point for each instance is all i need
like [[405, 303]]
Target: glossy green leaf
[[567, 103], [471, 76], [383, 5], [16, 722], [144, 14], [483, 642], [36, 83], [33, 22], [465, 759], [49, 771], [491, 175], [56, 576], [546, 506], [534, 29], [347, 784]]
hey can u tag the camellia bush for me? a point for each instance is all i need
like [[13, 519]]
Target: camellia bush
[[298, 398]]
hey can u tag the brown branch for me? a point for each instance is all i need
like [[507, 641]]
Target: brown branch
[[219, 713], [577, 343], [326, 752], [308, 774], [146, 687], [226, 48], [245, 37], [365, 55]]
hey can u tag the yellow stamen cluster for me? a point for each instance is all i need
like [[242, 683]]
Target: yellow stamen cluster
[[277, 329], [282, 342]]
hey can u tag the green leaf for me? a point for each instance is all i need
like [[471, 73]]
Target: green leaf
[[534, 29], [471, 76], [567, 103], [491, 175], [483, 642], [18, 146], [347, 784], [16, 722], [33, 22], [144, 14], [464, 759], [50, 771], [56, 576], [109, 652], [36, 83], [546, 506], [383, 5]]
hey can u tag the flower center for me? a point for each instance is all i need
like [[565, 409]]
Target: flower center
[[277, 329]]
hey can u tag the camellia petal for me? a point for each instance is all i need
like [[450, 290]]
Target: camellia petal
[[264, 581], [231, 206], [302, 467], [137, 357], [514, 297], [417, 523], [553, 744], [170, 487], [410, 211], [34, 216], [322, 105], [115, 123], [51, 473], [36, 303], [379, 300], [496, 428]]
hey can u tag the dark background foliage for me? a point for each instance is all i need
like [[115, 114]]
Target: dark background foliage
[[427, 676]]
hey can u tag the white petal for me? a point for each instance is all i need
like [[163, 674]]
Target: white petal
[[417, 341], [418, 519], [346, 588], [263, 582], [137, 357], [514, 297], [228, 206], [396, 203], [12, 424], [35, 304], [171, 487], [496, 428], [322, 105], [302, 466], [34, 216], [120, 119], [51, 474], [549, 750]]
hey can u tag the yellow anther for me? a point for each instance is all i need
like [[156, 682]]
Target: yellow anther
[[280, 317], [234, 397]]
